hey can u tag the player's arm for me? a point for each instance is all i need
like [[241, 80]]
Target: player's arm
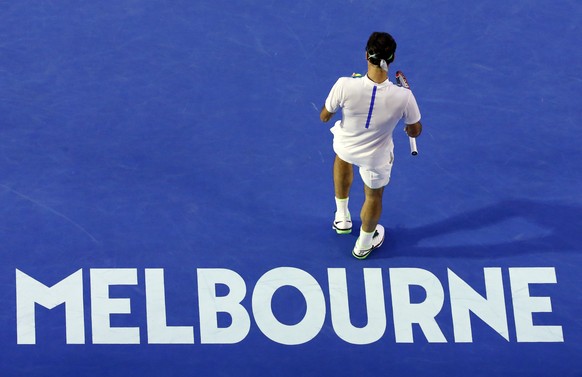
[[413, 130], [325, 115]]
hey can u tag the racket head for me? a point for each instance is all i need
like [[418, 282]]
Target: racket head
[[401, 80]]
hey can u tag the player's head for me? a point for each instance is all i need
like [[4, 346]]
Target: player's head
[[380, 46]]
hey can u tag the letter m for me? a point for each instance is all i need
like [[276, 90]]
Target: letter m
[[30, 292]]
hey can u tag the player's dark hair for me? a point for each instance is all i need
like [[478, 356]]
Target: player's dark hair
[[380, 46]]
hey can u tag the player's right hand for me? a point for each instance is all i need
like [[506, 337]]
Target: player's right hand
[[413, 130]]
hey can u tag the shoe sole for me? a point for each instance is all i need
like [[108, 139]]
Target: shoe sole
[[341, 231], [360, 257]]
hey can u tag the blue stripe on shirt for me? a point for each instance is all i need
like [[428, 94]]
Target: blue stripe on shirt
[[371, 107]]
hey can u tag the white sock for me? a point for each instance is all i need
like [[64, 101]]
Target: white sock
[[342, 206], [365, 240]]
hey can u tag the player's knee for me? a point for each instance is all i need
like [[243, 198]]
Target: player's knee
[[373, 193]]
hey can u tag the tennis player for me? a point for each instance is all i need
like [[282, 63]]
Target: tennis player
[[371, 108]]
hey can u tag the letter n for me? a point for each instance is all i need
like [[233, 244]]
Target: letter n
[[465, 300], [30, 292]]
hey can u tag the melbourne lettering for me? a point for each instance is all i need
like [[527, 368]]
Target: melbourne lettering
[[331, 303]]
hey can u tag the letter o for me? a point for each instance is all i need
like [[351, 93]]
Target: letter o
[[314, 318]]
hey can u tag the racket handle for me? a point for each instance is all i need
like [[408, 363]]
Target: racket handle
[[413, 149]]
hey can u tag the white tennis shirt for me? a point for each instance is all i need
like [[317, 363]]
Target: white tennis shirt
[[370, 112]]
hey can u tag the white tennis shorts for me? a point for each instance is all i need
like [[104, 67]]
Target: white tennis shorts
[[377, 177]]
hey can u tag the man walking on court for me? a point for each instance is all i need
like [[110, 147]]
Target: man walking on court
[[371, 108]]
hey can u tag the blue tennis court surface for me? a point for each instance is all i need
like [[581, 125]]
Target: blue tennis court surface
[[166, 191]]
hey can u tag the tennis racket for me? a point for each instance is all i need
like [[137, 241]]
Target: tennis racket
[[401, 80]]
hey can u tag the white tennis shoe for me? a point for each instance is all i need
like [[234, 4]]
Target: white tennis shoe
[[342, 223], [377, 241]]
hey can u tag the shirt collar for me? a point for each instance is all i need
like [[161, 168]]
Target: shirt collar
[[381, 85]]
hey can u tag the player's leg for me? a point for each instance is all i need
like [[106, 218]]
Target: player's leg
[[343, 176], [371, 233], [372, 208]]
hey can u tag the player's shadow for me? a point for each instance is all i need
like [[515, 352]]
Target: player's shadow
[[556, 227]]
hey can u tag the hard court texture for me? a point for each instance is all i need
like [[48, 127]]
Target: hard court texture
[[185, 136]]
